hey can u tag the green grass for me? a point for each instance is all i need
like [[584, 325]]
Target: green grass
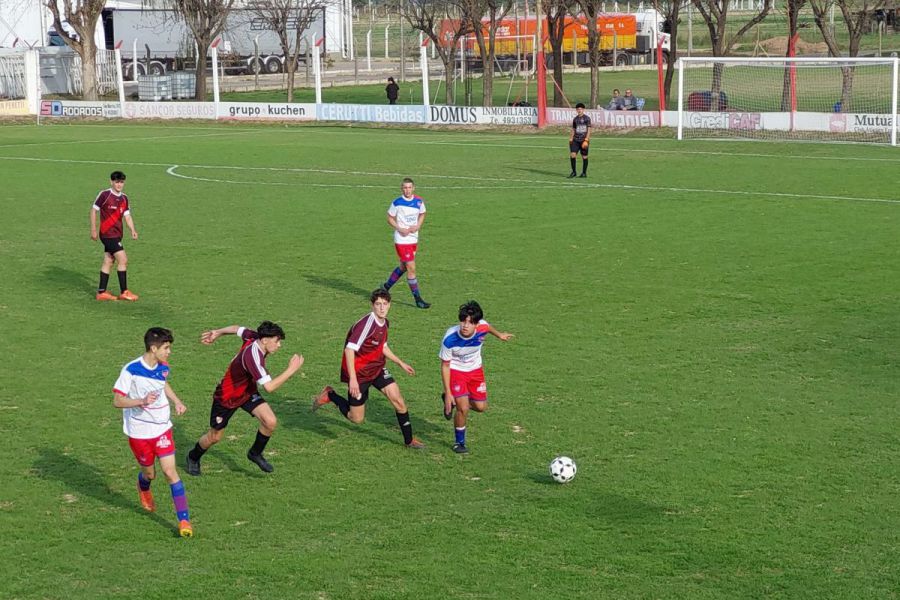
[[722, 366]]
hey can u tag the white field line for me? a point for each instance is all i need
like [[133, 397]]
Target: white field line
[[118, 140], [172, 171], [482, 181], [680, 152]]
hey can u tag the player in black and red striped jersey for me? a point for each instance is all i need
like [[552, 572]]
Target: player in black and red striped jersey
[[362, 367], [112, 206], [239, 388]]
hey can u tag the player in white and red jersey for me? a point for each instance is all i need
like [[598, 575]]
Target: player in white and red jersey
[[239, 388], [461, 371], [112, 207], [143, 392], [362, 367], [406, 214]]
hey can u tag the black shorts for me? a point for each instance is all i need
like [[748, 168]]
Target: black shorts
[[220, 415], [576, 147], [383, 380], [112, 245]]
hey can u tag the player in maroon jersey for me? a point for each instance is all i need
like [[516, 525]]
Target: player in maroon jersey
[[112, 206], [238, 389], [362, 367]]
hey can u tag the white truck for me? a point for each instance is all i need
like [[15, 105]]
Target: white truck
[[154, 41]]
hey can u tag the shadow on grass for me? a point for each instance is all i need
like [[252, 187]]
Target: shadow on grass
[[339, 285], [562, 173], [221, 451], [380, 423], [82, 288], [67, 280], [81, 477]]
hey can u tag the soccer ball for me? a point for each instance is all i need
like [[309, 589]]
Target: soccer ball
[[562, 469]]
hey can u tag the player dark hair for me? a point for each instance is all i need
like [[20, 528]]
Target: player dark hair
[[391, 79], [471, 310], [157, 336], [117, 176], [380, 293], [579, 105], [269, 329], [408, 180]]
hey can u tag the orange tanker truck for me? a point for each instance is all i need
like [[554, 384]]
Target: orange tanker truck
[[627, 38]]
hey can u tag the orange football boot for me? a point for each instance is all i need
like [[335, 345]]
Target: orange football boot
[[104, 295], [127, 295]]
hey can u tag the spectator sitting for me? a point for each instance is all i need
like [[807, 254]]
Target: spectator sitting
[[629, 102], [615, 103]]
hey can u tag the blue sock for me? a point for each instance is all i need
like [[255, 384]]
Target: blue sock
[[394, 278], [143, 482], [180, 500], [414, 286], [460, 435]]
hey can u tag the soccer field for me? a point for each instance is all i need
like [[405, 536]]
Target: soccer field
[[709, 329]]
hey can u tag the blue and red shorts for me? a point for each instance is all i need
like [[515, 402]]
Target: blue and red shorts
[[406, 252], [468, 383], [146, 451]]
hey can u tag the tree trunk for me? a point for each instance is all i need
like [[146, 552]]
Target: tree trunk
[[487, 81], [846, 89], [556, 31], [290, 61], [88, 53], [200, 77], [716, 87]]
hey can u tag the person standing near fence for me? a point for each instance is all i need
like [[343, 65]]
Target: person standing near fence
[[392, 90]]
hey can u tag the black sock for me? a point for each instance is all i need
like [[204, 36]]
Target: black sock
[[573, 164], [123, 280], [260, 444], [197, 452], [584, 165], [104, 281], [405, 427], [340, 402]]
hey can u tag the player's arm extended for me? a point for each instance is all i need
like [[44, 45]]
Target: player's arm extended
[[294, 365], [208, 337], [500, 334], [389, 354], [180, 408]]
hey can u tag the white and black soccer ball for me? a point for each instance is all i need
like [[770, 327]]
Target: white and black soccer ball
[[563, 469]]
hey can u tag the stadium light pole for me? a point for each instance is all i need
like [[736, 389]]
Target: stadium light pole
[[541, 69]]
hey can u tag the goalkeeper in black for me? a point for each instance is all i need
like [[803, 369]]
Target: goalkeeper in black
[[580, 139]]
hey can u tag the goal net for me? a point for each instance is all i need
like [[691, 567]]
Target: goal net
[[821, 99]]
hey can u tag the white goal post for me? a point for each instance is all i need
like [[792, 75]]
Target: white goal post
[[795, 98]]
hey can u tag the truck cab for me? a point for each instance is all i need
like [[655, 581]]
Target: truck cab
[[651, 26]]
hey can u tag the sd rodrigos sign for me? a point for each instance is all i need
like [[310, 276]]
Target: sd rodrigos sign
[[77, 109]]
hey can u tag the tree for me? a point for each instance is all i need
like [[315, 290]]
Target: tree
[[444, 22], [592, 10], [206, 19], [857, 17], [792, 10], [493, 11], [557, 11], [289, 19], [715, 14], [671, 13], [82, 16]]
